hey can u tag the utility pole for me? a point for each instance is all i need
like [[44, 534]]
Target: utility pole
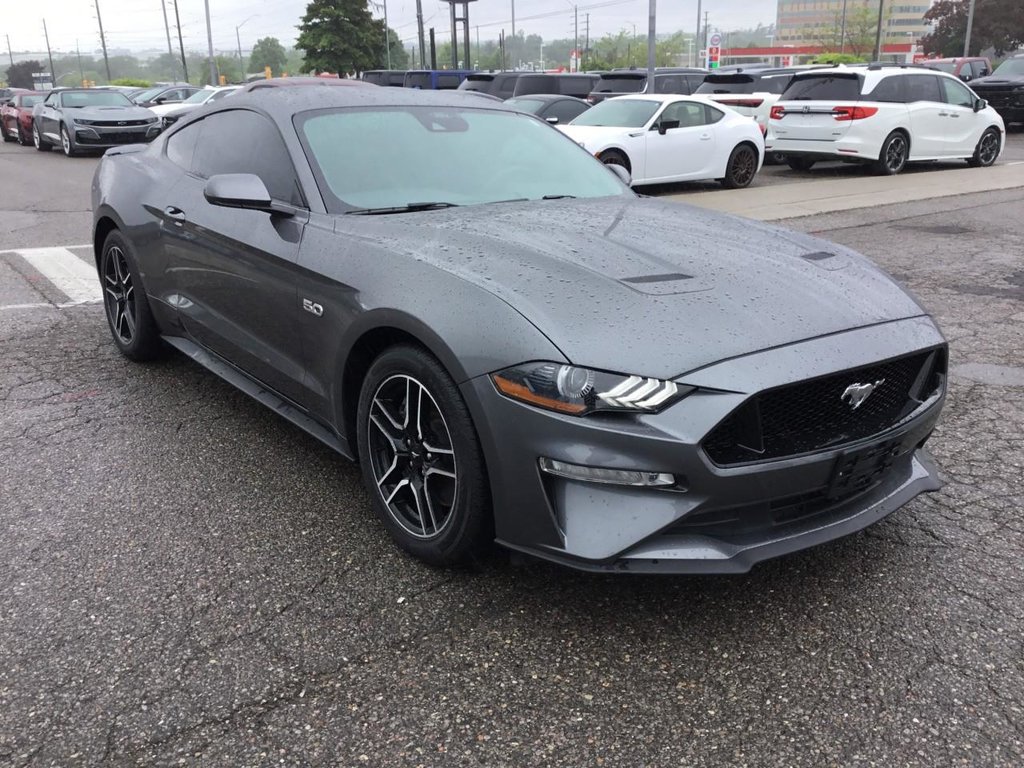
[[842, 31], [696, 38], [878, 33], [704, 39], [514, 38], [576, 35], [181, 43], [970, 25], [586, 44], [419, 30], [103, 40], [387, 34], [433, 50], [53, 75], [651, 43], [10, 53], [81, 72], [170, 52], [209, 44]]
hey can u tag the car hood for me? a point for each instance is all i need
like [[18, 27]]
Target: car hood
[[997, 81], [109, 113], [596, 135], [647, 287]]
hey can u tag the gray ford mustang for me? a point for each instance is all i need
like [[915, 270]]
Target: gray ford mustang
[[514, 345]]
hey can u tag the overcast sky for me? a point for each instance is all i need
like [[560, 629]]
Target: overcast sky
[[138, 24]]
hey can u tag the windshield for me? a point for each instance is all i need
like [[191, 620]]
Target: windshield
[[458, 156], [199, 97], [94, 99], [533, 106], [30, 101], [942, 66], [1010, 67], [619, 113], [633, 84]]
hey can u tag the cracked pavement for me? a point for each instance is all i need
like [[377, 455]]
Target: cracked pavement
[[187, 579]]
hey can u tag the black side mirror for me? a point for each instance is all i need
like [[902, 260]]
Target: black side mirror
[[966, 77], [552, 120], [667, 125], [159, 100], [980, 104], [242, 190]]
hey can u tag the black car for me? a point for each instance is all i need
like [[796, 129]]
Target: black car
[[681, 80], [1004, 89], [555, 109], [87, 118], [500, 84], [578, 85], [394, 78]]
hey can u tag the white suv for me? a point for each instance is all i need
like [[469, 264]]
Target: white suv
[[883, 115]]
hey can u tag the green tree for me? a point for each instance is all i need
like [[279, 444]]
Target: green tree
[[268, 52], [998, 24], [20, 75], [861, 28], [339, 36]]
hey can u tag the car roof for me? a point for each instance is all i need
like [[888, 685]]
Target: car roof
[[661, 98], [305, 82], [547, 97], [288, 99]]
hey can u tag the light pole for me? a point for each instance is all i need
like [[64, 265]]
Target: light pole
[[842, 31], [238, 41], [209, 45], [970, 24], [878, 33]]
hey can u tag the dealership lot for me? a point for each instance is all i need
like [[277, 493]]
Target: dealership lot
[[191, 579]]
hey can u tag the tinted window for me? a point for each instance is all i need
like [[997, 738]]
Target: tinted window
[[727, 84], [565, 110], [922, 88], [823, 87], [448, 82], [670, 84], [417, 80], [244, 142], [773, 83], [956, 93], [181, 145], [942, 66], [713, 115], [576, 85], [979, 69], [527, 84], [506, 86], [477, 83], [688, 113], [888, 90], [621, 84]]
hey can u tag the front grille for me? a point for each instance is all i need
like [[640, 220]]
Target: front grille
[[814, 415], [119, 123], [1002, 96]]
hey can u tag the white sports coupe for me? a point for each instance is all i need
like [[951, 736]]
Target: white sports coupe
[[664, 138]]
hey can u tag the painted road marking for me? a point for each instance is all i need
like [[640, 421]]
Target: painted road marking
[[70, 275]]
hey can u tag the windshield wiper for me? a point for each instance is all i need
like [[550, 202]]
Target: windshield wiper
[[559, 197], [408, 208]]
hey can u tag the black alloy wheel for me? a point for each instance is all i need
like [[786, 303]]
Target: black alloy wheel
[[894, 154], [987, 151], [38, 140], [127, 309], [421, 459], [742, 167]]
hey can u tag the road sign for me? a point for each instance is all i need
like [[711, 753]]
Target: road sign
[[715, 40]]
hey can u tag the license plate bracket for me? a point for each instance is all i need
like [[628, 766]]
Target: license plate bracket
[[859, 469]]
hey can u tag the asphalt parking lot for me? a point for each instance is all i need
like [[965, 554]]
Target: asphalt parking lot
[[188, 579]]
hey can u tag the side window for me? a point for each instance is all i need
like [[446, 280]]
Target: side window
[[956, 93], [239, 141], [181, 145], [667, 84], [774, 83], [565, 110], [693, 82], [447, 82], [51, 100], [888, 89], [688, 113], [979, 69], [923, 88], [713, 115]]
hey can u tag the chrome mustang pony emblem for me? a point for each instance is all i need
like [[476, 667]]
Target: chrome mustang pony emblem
[[858, 393]]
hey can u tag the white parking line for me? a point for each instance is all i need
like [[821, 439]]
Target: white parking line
[[72, 276]]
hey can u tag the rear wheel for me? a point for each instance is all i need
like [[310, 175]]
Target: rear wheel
[[128, 314], [742, 167], [987, 150], [38, 140], [799, 163], [893, 157], [615, 157], [421, 460]]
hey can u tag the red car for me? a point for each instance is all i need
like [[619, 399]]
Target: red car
[[16, 116]]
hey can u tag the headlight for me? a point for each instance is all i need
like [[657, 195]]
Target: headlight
[[579, 391], [77, 121], [152, 119]]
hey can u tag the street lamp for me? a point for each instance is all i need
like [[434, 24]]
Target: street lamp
[[238, 40]]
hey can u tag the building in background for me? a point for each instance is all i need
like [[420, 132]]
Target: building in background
[[818, 22]]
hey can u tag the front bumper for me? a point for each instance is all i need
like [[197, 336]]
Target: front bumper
[[722, 520], [114, 136]]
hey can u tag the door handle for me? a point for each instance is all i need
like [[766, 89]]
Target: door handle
[[944, 114], [174, 213], [954, 114], [705, 137]]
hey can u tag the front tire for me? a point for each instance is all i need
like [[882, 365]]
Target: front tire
[[124, 300], [38, 140], [987, 151], [742, 167], [893, 157], [66, 143], [421, 459], [615, 157]]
